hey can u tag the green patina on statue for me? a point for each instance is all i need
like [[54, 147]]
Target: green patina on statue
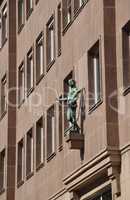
[[71, 99]]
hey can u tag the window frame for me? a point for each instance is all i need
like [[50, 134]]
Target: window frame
[[49, 61], [39, 41], [21, 71], [40, 122], [29, 10], [21, 144], [4, 35], [3, 96], [91, 54], [21, 25], [51, 153], [126, 36], [30, 134], [30, 56], [59, 29], [3, 167]]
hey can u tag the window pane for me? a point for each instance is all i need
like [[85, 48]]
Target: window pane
[[3, 95], [29, 152], [50, 131], [126, 55], [94, 75], [39, 57], [20, 162], [4, 24], [50, 41], [2, 170], [39, 142]]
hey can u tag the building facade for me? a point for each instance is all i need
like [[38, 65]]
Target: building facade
[[43, 44]]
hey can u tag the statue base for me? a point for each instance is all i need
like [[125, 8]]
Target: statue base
[[75, 140]]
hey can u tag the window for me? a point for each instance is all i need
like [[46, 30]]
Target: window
[[126, 57], [66, 90], [0, 31], [107, 195], [59, 28], [2, 170], [20, 162], [29, 153], [60, 124], [20, 13], [50, 42], [67, 12], [51, 131], [29, 7], [30, 71], [94, 76], [21, 83], [39, 57], [39, 142], [4, 24], [3, 95]]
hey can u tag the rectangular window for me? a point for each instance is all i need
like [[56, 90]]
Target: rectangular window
[[20, 13], [60, 124], [3, 95], [21, 83], [50, 42], [39, 57], [107, 195], [39, 142], [30, 71], [29, 7], [67, 12], [59, 15], [94, 76], [66, 90], [0, 31], [29, 153], [2, 170], [126, 56], [51, 131], [4, 24], [20, 162]]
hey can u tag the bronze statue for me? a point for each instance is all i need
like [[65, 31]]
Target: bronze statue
[[71, 99]]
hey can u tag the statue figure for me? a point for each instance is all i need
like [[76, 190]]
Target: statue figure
[[71, 99]]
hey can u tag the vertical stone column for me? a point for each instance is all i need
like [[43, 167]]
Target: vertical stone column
[[11, 148]]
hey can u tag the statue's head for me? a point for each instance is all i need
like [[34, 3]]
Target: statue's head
[[72, 83]]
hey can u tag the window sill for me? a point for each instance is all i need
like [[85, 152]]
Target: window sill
[[20, 183], [39, 79], [3, 43], [29, 12], [2, 190], [67, 27], [29, 91], [60, 148], [28, 176], [3, 114], [94, 107], [20, 28], [126, 91], [20, 104], [50, 65], [38, 167], [51, 157]]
